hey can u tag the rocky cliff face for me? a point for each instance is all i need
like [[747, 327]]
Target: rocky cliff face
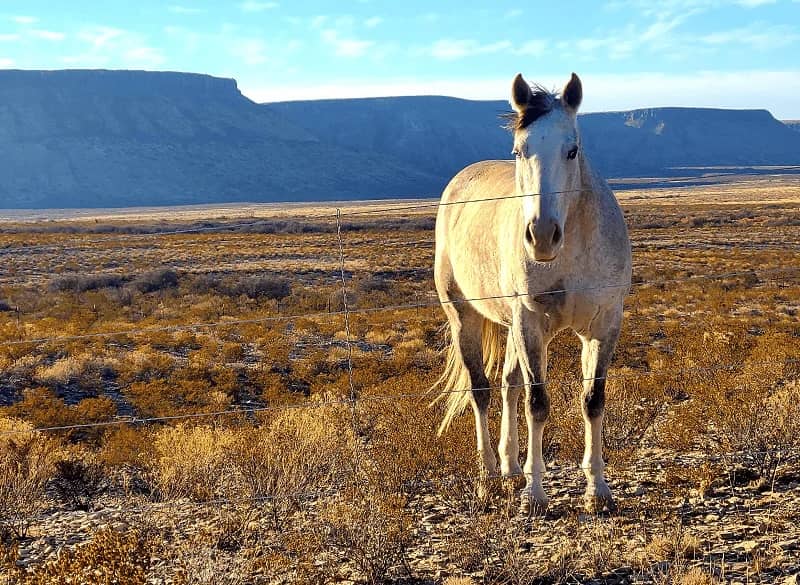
[[121, 138], [442, 134]]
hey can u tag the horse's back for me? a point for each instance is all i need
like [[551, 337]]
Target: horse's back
[[481, 180], [472, 227]]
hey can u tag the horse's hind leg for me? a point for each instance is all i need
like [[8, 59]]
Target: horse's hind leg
[[466, 327], [598, 349]]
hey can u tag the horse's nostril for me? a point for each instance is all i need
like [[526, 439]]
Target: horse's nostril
[[529, 234], [556, 235]]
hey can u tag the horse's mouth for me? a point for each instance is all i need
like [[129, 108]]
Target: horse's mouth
[[544, 258]]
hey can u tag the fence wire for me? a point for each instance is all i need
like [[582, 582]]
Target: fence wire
[[397, 307], [428, 394], [426, 204]]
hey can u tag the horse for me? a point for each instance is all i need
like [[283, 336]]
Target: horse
[[534, 246]]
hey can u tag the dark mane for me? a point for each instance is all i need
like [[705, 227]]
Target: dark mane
[[541, 102]]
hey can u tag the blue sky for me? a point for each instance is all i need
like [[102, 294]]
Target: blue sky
[[630, 53]]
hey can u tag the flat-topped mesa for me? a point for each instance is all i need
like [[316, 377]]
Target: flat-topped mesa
[[657, 118], [120, 83]]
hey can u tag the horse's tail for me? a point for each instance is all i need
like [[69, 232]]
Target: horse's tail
[[454, 383]]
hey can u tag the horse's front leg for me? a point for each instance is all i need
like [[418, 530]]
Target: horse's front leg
[[598, 349], [527, 334], [509, 437]]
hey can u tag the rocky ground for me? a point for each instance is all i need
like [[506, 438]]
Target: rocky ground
[[733, 529]]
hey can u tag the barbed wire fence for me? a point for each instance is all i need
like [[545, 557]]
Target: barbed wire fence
[[353, 398]]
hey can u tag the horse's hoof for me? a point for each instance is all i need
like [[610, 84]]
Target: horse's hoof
[[598, 504], [529, 506]]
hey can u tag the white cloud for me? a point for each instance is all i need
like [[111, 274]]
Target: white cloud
[[25, 19], [533, 48], [345, 47], [755, 3], [180, 9], [108, 46], [318, 21], [373, 22], [48, 35], [100, 36], [9, 37], [249, 51], [451, 49], [254, 6], [755, 36], [5, 62], [145, 57], [731, 89]]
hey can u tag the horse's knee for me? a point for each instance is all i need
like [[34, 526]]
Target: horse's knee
[[594, 399], [539, 403], [481, 398]]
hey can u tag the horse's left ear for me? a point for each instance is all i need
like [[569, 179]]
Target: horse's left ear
[[573, 93]]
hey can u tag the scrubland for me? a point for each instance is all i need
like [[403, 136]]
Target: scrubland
[[226, 422]]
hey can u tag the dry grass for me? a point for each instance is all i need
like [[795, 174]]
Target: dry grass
[[364, 476]]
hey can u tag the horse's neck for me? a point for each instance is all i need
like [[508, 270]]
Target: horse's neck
[[591, 202]]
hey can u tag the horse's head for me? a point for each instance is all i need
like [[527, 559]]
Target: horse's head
[[547, 148]]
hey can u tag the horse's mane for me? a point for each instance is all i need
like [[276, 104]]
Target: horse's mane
[[542, 102]]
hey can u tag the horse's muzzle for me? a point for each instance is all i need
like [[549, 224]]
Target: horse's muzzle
[[544, 239]]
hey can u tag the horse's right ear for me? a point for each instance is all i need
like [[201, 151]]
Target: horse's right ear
[[521, 94]]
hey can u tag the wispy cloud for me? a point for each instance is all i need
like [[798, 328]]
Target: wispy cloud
[[344, 46], [249, 51], [532, 48], [188, 10], [107, 46], [373, 22], [25, 19], [754, 3], [9, 37], [756, 36], [255, 6], [6, 62], [143, 57], [318, 21], [47, 35], [451, 49], [100, 36]]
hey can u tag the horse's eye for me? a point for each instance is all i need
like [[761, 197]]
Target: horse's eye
[[573, 152], [517, 152]]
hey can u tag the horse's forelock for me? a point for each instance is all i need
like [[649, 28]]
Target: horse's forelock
[[541, 102]]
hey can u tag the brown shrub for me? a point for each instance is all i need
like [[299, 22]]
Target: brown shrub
[[26, 464], [370, 528], [110, 557], [190, 461], [298, 454]]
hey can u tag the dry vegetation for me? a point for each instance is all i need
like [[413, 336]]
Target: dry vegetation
[[296, 483]]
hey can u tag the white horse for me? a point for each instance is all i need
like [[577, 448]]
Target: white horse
[[535, 245]]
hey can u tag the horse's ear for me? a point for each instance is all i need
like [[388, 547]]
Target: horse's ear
[[520, 94], [573, 93]]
